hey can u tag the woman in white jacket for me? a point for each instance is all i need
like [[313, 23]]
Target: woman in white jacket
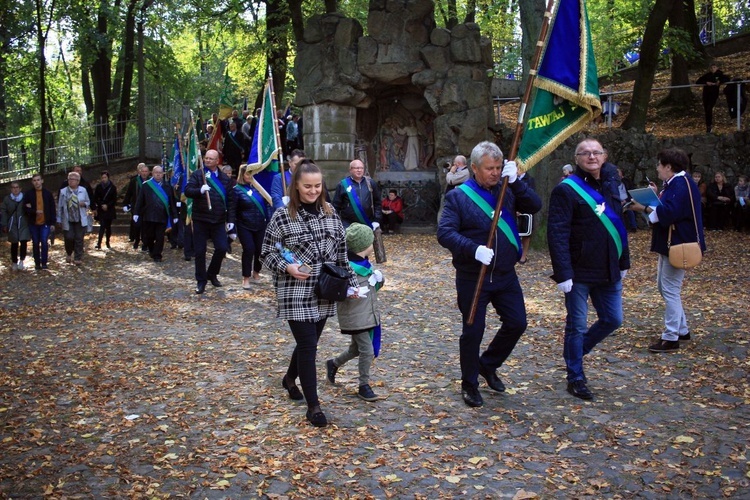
[[72, 213]]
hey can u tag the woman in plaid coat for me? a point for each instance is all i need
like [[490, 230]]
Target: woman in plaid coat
[[310, 228]]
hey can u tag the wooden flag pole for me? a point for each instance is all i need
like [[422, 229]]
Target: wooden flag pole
[[276, 128], [200, 161], [513, 151]]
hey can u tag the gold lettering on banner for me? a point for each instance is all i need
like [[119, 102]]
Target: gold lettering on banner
[[546, 120]]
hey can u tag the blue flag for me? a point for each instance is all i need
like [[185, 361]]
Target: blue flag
[[179, 169], [567, 85]]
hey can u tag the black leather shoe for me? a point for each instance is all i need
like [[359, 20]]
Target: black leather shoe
[[318, 419], [685, 337], [492, 379], [214, 281], [293, 390], [471, 396], [578, 389], [331, 370], [200, 288], [665, 346]]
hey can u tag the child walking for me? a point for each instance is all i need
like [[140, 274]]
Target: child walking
[[359, 317]]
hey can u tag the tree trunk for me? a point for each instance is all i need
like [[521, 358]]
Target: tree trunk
[[141, 90], [101, 81], [331, 6], [532, 16], [298, 19], [647, 65], [471, 11], [4, 49], [126, 83], [277, 21], [41, 37], [452, 15], [681, 17]]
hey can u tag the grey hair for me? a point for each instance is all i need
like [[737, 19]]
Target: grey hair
[[483, 149]]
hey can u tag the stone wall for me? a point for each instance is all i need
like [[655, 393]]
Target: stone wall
[[404, 58]]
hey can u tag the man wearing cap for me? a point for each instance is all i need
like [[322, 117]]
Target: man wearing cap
[[464, 230]]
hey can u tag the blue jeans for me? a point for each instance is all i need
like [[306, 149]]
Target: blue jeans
[[40, 243], [505, 295], [579, 339]]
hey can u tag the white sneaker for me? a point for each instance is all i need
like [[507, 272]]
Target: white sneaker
[[20, 265], [14, 267]]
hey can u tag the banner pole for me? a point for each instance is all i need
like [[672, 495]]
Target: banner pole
[[513, 151]]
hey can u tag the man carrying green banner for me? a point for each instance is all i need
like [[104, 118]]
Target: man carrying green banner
[[155, 208]]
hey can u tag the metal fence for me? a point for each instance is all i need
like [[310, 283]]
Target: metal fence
[[90, 143], [611, 107]]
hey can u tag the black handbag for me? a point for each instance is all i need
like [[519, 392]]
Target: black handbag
[[333, 280]]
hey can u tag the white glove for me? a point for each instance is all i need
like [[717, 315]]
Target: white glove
[[205, 188], [285, 200], [623, 273], [351, 291], [375, 225], [362, 292], [484, 255], [126, 208], [510, 170], [230, 226], [566, 286], [233, 236], [175, 221], [179, 204], [135, 218], [378, 275]]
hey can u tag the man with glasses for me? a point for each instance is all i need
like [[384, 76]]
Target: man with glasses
[[588, 246], [357, 198]]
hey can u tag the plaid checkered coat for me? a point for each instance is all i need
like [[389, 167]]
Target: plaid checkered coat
[[296, 299]]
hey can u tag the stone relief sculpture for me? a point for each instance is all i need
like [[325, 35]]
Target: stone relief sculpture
[[405, 143]]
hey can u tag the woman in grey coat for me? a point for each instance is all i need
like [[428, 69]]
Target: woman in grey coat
[[15, 225]]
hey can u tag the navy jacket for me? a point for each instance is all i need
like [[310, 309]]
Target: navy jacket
[[243, 212], [50, 207], [675, 209], [580, 246], [464, 226]]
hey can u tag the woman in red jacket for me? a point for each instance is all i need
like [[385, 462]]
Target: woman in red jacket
[[393, 212]]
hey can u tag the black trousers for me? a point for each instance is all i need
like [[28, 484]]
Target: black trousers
[[302, 364], [251, 242], [202, 232], [105, 229], [153, 237]]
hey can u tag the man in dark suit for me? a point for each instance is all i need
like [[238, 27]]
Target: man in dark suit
[[156, 211], [209, 221], [234, 148], [131, 196]]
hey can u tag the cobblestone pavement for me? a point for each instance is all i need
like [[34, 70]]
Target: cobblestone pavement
[[118, 381]]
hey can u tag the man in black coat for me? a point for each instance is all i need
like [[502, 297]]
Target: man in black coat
[[234, 148], [209, 222], [131, 196], [711, 82], [588, 246], [156, 211]]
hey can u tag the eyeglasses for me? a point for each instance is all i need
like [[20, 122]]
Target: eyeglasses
[[590, 153]]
